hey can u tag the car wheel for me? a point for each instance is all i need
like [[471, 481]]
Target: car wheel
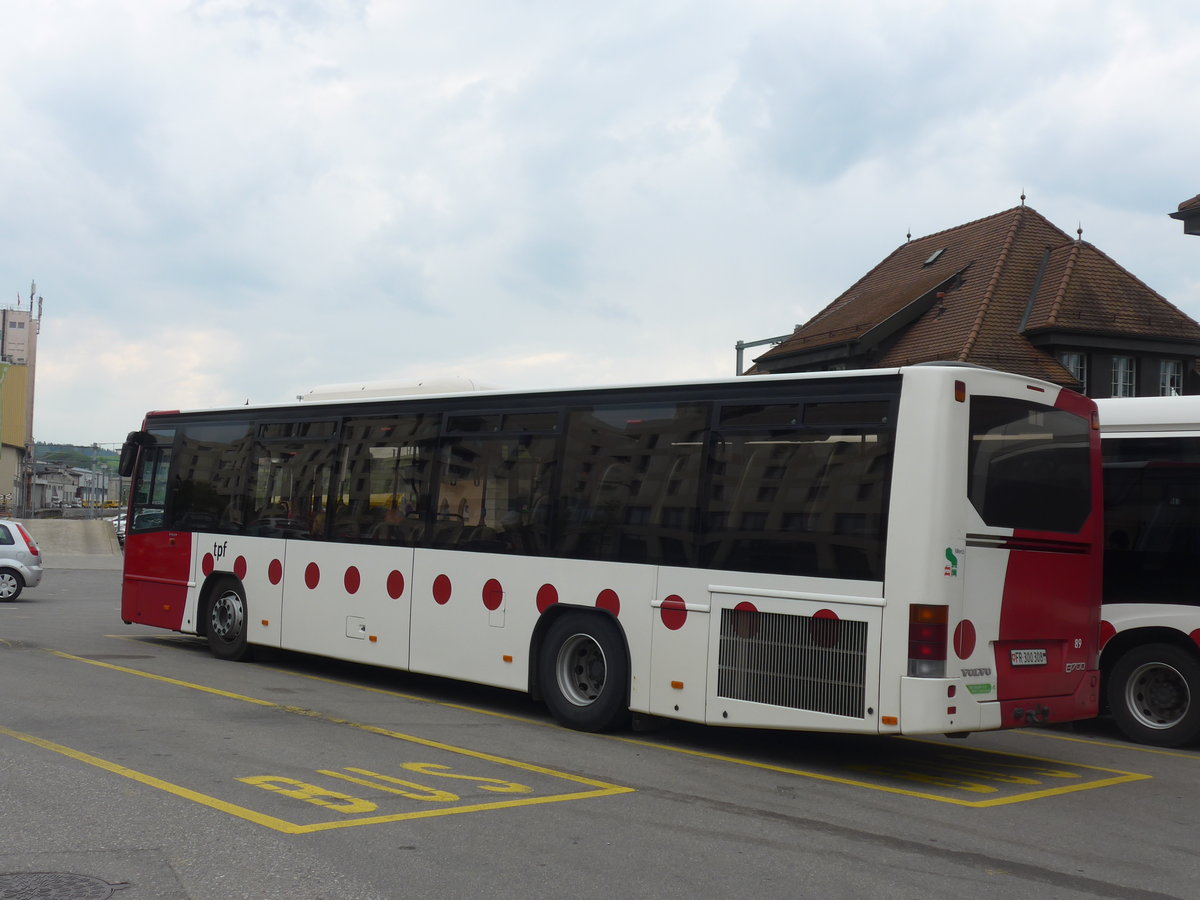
[[11, 584]]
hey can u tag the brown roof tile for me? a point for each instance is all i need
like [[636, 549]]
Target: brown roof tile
[[996, 279], [1096, 295]]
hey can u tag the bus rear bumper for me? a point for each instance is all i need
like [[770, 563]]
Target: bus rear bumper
[[945, 705], [1083, 704]]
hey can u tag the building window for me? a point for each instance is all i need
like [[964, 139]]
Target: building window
[[1170, 377], [1123, 377], [1076, 364]]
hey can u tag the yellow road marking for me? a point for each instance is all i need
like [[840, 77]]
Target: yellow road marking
[[1120, 777], [1095, 742], [125, 771], [596, 788], [1117, 776]]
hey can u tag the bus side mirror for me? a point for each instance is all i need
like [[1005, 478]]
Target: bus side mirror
[[129, 452]]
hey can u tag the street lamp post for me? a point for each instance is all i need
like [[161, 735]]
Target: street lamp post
[[92, 505]]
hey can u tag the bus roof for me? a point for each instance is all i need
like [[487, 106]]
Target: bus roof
[[374, 392], [1149, 415]]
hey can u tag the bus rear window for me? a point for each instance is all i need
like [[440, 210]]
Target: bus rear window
[[1028, 465]]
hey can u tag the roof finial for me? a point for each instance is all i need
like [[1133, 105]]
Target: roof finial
[[1079, 231], [909, 235], [1022, 196]]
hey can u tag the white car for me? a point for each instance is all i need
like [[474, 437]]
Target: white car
[[20, 560]]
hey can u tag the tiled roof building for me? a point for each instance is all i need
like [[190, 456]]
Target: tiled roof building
[[1010, 291], [1189, 214]]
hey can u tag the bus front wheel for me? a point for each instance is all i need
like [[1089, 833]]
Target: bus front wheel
[[584, 672], [226, 621], [1154, 695]]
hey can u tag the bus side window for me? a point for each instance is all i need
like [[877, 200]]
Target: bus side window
[[492, 493], [291, 487], [630, 483], [383, 474], [799, 502], [211, 477]]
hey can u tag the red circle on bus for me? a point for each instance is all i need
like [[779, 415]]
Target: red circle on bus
[[239, 567], [312, 576], [547, 596], [673, 612], [275, 572], [441, 590], [353, 580], [395, 584], [745, 619], [824, 628], [964, 638], [608, 599], [493, 594], [206, 564]]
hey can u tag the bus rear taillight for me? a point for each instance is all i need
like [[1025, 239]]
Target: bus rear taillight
[[927, 638]]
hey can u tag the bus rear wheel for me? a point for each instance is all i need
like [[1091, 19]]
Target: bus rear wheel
[[1154, 695], [584, 672], [226, 622]]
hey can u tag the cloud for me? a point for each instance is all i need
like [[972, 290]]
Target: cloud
[[250, 198], [81, 372]]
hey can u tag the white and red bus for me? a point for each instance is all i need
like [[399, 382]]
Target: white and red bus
[[900, 551], [1150, 633]]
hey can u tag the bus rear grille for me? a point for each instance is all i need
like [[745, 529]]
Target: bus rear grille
[[801, 662]]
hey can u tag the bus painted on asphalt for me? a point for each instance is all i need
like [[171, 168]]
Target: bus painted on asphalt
[[893, 551]]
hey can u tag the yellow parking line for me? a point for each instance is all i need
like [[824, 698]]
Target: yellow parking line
[[372, 729], [594, 787], [1136, 748], [1116, 776], [286, 827], [178, 791]]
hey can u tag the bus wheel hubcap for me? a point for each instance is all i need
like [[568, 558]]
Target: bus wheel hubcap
[[581, 669], [227, 615], [1157, 695]]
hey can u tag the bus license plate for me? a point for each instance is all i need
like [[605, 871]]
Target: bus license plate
[[1028, 657]]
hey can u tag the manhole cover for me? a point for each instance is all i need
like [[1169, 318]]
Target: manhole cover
[[54, 886]]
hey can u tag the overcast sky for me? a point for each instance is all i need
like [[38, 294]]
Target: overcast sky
[[231, 200]]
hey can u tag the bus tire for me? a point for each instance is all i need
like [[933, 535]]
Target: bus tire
[[1154, 695], [226, 621], [11, 584], [583, 672]]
